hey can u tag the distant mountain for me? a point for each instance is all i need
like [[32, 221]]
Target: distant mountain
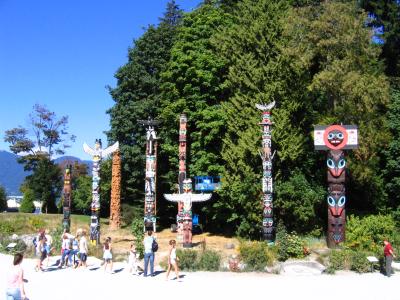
[[12, 173]]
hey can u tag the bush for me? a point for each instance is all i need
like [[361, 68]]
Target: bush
[[256, 255], [209, 260], [359, 262], [137, 231], [368, 233], [187, 259], [6, 228], [348, 260], [36, 223], [20, 246]]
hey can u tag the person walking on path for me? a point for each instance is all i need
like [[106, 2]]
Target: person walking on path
[[148, 253], [133, 260], [172, 259], [83, 249], [389, 255], [15, 283], [65, 250], [107, 255]]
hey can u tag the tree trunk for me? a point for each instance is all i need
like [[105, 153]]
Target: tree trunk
[[115, 207]]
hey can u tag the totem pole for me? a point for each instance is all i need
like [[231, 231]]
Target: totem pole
[[115, 205], [335, 139], [67, 199], [267, 157], [150, 174], [97, 155], [185, 215], [182, 172]]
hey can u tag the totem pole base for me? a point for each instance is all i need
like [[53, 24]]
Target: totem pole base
[[187, 245]]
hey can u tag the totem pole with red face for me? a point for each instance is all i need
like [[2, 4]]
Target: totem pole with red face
[[335, 139]]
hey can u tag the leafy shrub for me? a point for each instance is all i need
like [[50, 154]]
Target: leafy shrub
[[256, 255], [20, 246], [187, 259], [359, 262], [137, 231], [367, 233], [56, 235], [339, 260], [209, 260], [348, 260], [130, 213], [36, 223], [6, 228]]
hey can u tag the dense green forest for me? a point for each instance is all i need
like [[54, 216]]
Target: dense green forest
[[323, 62]]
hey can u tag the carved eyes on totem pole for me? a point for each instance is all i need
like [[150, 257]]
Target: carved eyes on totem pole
[[268, 222], [336, 163], [335, 137], [187, 186]]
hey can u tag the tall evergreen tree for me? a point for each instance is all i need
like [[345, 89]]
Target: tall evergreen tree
[[137, 95], [332, 44], [193, 84], [386, 18], [392, 152]]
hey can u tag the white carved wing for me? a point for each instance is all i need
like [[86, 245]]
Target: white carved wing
[[173, 197], [110, 149], [264, 107], [200, 197], [88, 150]]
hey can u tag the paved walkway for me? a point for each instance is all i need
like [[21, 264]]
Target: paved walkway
[[93, 283]]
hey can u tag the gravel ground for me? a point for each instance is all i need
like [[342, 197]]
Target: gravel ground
[[94, 283]]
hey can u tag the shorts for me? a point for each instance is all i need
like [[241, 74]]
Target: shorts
[[107, 255], [83, 257]]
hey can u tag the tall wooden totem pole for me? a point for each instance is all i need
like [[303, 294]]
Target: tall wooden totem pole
[[268, 228], [185, 196], [182, 172], [335, 139], [97, 155], [150, 175], [67, 199], [115, 205]]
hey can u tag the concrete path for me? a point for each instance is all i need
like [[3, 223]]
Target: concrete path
[[94, 283]]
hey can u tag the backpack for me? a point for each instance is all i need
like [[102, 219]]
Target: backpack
[[154, 246], [34, 241]]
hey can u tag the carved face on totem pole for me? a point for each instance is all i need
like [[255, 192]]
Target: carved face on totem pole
[[336, 166], [336, 199], [335, 137], [187, 186], [336, 227]]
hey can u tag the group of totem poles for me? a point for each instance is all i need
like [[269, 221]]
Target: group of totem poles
[[334, 139]]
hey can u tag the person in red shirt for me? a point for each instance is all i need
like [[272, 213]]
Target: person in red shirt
[[389, 255]]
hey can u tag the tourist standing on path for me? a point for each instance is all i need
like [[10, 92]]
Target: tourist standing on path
[[65, 250], [83, 249], [15, 283], [107, 255], [133, 260], [389, 255], [148, 253], [49, 242], [172, 259]]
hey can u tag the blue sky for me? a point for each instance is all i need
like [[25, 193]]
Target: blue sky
[[62, 54]]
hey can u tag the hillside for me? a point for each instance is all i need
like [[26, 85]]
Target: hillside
[[12, 173]]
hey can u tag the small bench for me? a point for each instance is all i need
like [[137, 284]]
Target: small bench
[[373, 260]]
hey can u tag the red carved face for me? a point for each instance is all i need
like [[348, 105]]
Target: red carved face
[[336, 199], [335, 137]]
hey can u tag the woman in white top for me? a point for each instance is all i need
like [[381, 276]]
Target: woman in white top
[[172, 259], [83, 249], [15, 283], [107, 255]]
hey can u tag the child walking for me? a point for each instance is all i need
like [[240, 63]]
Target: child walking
[[132, 261], [172, 259], [107, 255]]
